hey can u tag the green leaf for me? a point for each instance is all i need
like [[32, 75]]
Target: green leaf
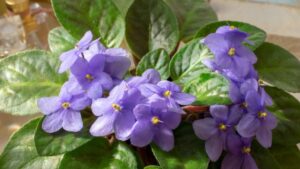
[[102, 17], [188, 152], [257, 36], [25, 77], [62, 141], [97, 154], [152, 167], [158, 60], [20, 152], [60, 40], [150, 25], [191, 15], [123, 5], [278, 67]]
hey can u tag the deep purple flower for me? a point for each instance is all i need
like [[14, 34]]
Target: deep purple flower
[[63, 111], [258, 121], [115, 112], [91, 77], [215, 130], [239, 156], [155, 122], [170, 92]]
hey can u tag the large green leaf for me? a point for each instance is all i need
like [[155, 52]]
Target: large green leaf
[[278, 67], [102, 17], [62, 141], [99, 154], [256, 35], [158, 60], [150, 25], [191, 15], [123, 5], [20, 152], [152, 167], [25, 77], [60, 40], [188, 152]]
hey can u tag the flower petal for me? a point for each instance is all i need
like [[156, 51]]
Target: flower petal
[[106, 81], [164, 138], [68, 62], [72, 121], [264, 137], [123, 125], [234, 93], [231, 161], [219, 112], [80, 102], [152, 75], [170, 119], [142, 111], [183, 98], [249, 163], [103, 126], [49, 104], [95, 90], [86, 39], [53, 122], [102, 106], [235, 114], [270, 121], [204, 128], [142, 133], [248, 85], [253, 101], [248, 125], [214, 147], [167, 85]]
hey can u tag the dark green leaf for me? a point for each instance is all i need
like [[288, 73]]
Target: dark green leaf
[[102, 17], [152, 167], [188, 152], [158, 60], [150, 25], [99, 154], [123, 5], [60, 40], [62, 141], [191, 15], [278, 67], [20, 152], [257, 36], [25, 77]]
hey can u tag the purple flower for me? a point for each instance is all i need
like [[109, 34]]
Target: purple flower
[[233, 29], [155, 122], [149, 76], [70, 57], [91, 77], [215, 130], [115, 112], [239, 156], [170, 92], [258, 121], [63, 111]]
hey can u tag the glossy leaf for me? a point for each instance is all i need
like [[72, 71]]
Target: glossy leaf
[[152, 167], [97, 154], [158, 60], [25, 77], [102, 17], [150, 25], [20, 152], [123, 5], [188, 152], [278, 67], [60, 40], [191, 15], [256, 35]]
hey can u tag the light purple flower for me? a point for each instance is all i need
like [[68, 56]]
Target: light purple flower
[[149, 76], [63, 111], [215, 130], [155, 122]]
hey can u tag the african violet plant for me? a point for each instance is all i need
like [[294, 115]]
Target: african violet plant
[[203, 95]]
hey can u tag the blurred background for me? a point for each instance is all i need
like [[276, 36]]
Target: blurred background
[[25, 24]]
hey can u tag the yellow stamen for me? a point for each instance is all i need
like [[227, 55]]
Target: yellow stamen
[[222, 127], [155, 120], [65, 105], [116, 107], [262, 114], [260, 82], [244, 105], [167, 93], [246, 150], [89, 77], [232, 27], [231, 52]]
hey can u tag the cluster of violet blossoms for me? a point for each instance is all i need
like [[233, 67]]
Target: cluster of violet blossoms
[[142, 109], [232, 128]]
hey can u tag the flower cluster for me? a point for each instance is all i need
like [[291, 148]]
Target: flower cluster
[[232, 128], [141, 109]]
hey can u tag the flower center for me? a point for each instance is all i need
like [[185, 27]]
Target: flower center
[[89, 77], [116, 107], [246, 150], [244, 105], [262, 114], [231, 52], [232, 27], [155, 120], [65, 105], [167, 93], [222, 127]]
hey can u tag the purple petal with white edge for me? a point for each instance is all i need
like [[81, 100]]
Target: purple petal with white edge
[[95, 90], [219, 112], [103, 126], [49, 104], [85, 40], [205, 128], [235, 114], [234, 93], [183, 98], [214, 147], [264, 137], [253, 101], [170, 119], [142, 133], [123, 125], [247, 53], [152, 75], [216, 43], [80, 102], [249, 163], [248, 85], [231, 161], [67, 63], [102, 106], [270, 121], [148, 90], [142, 111], [53, 122], [167, 85], [164, 138], [105, 80], [248, 125], [72, 121]]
